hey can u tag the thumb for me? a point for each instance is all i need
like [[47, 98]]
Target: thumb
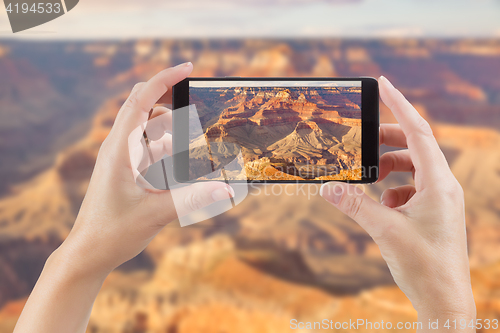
[[352, 201], [199, 195]]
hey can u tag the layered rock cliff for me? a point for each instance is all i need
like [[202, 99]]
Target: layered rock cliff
[[302, 126]]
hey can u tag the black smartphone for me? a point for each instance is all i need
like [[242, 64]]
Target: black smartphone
[[281, 130]]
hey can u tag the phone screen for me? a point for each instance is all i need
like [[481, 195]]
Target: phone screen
[[286, 130]]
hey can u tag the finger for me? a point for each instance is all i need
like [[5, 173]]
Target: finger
[[427, 158], [161, 147], [121, 113], [152, 153], [158, 85], [397, 161], [136, 110], [194, 197], [369, 214], [166, 98], [139, 158], [160, 111], [147, 146], [398, 196], [159, 123], [154, 129], [392, 135]]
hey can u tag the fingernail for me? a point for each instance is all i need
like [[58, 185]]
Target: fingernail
[[331, 193], [230, 190], [383, 203], [322, 189], [222, 194], [383, 78], [186, 64]]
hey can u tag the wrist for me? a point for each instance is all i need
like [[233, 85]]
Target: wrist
[[449, 294], [62, 298], [458, 317], [71, 262]]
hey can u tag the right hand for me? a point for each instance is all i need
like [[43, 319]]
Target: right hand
[[419, 229]]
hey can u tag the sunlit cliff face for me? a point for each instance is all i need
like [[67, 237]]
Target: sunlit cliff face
[[283, 133]]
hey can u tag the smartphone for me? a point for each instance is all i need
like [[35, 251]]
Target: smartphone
[[278, 130]]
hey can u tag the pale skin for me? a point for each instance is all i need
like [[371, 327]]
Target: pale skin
[[420, 230]]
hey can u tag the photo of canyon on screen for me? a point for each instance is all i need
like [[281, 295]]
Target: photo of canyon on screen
[[285, 130]]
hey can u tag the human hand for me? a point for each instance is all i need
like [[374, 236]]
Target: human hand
[[118, 218], [419, 229]]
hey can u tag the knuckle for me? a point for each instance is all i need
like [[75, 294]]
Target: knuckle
[[138, 86], [104, 146], [460, 190], [133, 100], [105, 156], [449, 191], [392, 158], [352, 206], [423, 127], [193, 202], [454, 189]]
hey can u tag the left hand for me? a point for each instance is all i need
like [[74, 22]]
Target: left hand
[[118, 218]]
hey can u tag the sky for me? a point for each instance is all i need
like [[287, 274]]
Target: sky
[[125, 19], [233, 84]]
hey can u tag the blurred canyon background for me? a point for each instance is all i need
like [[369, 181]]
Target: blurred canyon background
[[272, 258]]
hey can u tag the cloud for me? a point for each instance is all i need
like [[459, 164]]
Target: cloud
[[121, 5], [272, 18]]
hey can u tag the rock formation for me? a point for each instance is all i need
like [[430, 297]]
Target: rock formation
[[298, 125], [283, 252]]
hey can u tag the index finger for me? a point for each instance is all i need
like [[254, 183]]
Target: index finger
[[428, 159], [156, 88], [166, 98], [137, 108]]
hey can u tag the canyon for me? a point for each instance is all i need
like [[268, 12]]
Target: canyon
[[282, 132], [272, 257]]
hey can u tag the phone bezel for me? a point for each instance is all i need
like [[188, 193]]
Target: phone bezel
[[369, 126]]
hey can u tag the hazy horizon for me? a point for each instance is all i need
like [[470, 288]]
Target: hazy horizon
[[93, 19], [284, 84]]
